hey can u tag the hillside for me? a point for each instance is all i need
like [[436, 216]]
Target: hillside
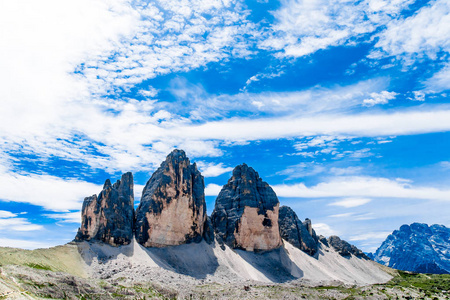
[[93, 268], [186, 272]]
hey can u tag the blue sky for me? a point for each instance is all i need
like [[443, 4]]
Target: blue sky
[[341, 106]]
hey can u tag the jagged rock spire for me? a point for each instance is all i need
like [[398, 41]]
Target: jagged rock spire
[[246, 212], [172, 210], [109, 218], [300, 235]]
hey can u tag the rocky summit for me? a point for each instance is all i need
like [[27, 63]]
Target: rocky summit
[[417, 248], [172, 210], [300, 235], [344, 248], [109, 217], [246, 212]]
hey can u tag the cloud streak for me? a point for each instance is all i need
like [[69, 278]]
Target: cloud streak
[[361, 186], [50, 192]]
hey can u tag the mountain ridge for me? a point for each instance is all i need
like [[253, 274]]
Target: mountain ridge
[[417, 248]]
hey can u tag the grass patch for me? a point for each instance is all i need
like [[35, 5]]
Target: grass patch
[[39, 267], [427, 283]]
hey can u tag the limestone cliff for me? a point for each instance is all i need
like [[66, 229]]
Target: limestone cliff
[[246, 212], [172, 210], [109, 217], [300, 235]]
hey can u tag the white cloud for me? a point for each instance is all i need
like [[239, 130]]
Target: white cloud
[[351, 202], [212, 189], [440, 81], [344, 215], [427, 32], [303, 27], [18, 224], [6, 214], [445, 164], [324, 229], [259, 76], [212, 169], [10, 222], [72, 217], [50, 192], [379, 98], [380, 124], [111, 45], [419, 96], [138, 188], [174, 36], [345, 171], [302, 170], [24, 244], [354, 216], [365, 187]]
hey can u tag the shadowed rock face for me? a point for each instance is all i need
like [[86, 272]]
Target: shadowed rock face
[[246, 212], [417, 248], [109, 218], [344, 248], [299, 234], [172, 209]]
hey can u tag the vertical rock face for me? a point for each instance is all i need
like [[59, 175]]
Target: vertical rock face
[[172, 209], [109, 217], [246, 212], [299, 234]]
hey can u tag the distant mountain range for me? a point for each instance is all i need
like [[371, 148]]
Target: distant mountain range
[[417, 248]]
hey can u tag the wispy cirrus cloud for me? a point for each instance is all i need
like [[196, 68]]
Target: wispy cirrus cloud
[[364, 187], [351, 202], [304, 27], [10, 222], [425, 33]]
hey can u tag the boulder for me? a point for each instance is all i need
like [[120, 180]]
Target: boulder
[[109, 218], [300, 235], [246, 212], [172, 210]]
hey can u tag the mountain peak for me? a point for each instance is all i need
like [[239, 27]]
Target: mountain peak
[[417, 248]]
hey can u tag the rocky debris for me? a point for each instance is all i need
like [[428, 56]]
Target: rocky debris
[[109, 218], [172, 210], [417, 248], [246, 212], [300, 235], [344, 248]]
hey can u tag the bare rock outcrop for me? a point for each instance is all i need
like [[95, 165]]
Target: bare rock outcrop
[[300, 235], [172, 210], [246, 212], [344, 248], [109, 218]]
